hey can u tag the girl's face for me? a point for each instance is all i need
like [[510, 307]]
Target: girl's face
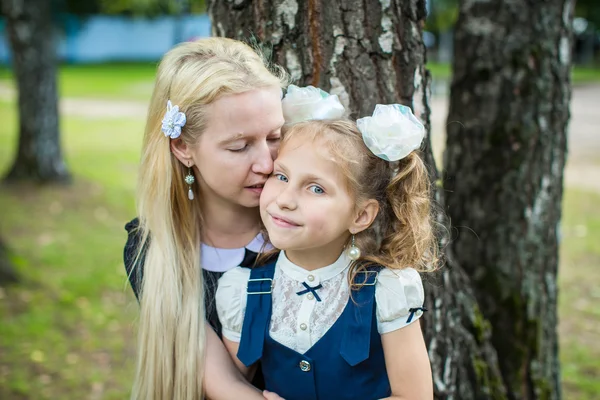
[[305, 203], [234, 157]]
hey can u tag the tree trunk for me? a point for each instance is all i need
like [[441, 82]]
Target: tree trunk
[[30, 31], [8, 274], [504, 163], [372, 52]]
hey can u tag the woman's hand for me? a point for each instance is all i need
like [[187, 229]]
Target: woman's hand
[[222, 380], [271, 396]]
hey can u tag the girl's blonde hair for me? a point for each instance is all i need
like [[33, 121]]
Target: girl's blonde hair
[[402, 234], [172, 319]]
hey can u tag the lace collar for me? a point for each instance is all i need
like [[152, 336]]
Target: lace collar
[[221, 260], [318, 275]]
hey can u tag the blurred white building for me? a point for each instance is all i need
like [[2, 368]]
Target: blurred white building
[[107, 38]]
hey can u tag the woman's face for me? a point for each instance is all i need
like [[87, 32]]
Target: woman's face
[[234, 156]]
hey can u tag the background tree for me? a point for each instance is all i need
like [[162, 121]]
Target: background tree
[[372, 52], [503, 167], [31, 33]]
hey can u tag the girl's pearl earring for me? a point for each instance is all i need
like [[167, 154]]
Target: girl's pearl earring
[[353, 251]]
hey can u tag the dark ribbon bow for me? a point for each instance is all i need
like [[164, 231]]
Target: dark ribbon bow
[[310, 289], [412, 312]]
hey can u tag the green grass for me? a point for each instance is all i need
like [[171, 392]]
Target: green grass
[[579, 74], [67, 331], [126, 81], [579, 286]]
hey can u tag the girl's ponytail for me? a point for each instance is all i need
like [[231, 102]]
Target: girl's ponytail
[[407, 237]]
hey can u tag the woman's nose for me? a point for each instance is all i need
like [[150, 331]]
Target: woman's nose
[[263, 160]]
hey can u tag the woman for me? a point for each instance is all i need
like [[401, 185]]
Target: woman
[[212, 131]]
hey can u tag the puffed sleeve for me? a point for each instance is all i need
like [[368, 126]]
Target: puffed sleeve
[[399, 295], [231, 301]]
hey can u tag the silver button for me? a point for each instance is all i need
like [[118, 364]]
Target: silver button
[[304, 366], [311, 278], [303, 326], [310, 296]]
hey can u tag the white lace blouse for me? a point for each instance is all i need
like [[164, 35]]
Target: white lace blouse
[[299, 321]]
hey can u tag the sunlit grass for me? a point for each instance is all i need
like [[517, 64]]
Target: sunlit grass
[[67, 330], [126, 81], [579, 285]]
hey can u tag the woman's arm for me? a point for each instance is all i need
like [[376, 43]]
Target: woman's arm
[[222, 380], [407, 363], [232, 347]]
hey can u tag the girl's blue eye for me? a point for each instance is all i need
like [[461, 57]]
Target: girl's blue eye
[[281, 177], [316, 189]]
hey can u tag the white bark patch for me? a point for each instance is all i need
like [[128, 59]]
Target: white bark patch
[[288, 10], [564, 51], [336, 84], [277, 35], [386, 39], [293, 65], [543, 122], [567, 13], [339, 45], [481, 27], [418, 96], [338, 88], [285, 14], [542, 200], [219, 30], [385, 4]]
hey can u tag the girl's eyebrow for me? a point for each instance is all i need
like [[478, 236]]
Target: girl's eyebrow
[[279, 165]]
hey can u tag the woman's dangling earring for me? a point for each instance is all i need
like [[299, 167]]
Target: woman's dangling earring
[[189, 179], [353, 251]]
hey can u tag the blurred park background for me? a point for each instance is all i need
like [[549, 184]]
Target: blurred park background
[[67, 329]]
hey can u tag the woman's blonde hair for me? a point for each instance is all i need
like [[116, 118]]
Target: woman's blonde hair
[[402, 234], [172, 319]]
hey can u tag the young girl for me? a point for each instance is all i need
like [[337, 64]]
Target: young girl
[[335, 317]]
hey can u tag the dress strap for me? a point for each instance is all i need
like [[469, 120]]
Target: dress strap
[[257, 315], [356, 342]]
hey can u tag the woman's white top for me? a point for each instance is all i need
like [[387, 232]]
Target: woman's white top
[[299, 321]]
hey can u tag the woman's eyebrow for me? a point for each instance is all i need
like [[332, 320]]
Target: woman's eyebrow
[[232, 138]]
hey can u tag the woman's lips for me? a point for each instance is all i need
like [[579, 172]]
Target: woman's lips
[[256, 188]]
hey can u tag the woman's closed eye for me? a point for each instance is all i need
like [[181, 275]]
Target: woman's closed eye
[[239, 149]]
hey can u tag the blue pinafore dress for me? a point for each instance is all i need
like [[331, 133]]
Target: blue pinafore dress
[[346, 363]]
